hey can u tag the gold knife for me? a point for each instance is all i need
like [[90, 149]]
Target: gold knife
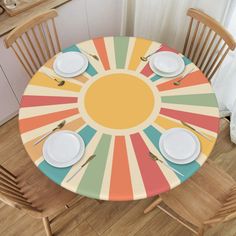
[[200, 133], [86, 162]]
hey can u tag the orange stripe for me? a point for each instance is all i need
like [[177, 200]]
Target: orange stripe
[[192, 79], [101, 49], [35, 151], [120, 180], [35, 122]]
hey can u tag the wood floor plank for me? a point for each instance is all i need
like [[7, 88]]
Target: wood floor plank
[[132, 221], [75, 217], [25, 226], [10, 143], [108, 213], [89, 218], [8, 217], [82, 229], [163, 224]]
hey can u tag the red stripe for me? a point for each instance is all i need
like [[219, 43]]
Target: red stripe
[[195, 78], [204, 121], [35, 122], [147, 71], [166, 48], [101, 49], [31, 101], [120, 180], [153, 178]]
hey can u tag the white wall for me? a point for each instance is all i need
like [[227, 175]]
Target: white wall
[[78, 20]]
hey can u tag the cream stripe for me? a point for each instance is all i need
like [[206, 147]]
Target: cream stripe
[[27, 112], [87, 75], [89, 47], [73, 184], [130, 51], [153, 47], [211, 133], [26, 137], [135, 175], [196, 89], [187, 68], [105, 189], [45, 91], [109, 42], [52, 75], [211, 111], [170, 175], [201, 158], [39, 161]]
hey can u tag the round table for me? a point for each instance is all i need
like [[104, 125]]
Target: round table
[[120, 108]]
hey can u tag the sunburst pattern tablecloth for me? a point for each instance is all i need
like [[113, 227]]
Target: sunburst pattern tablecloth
[[120, 108]]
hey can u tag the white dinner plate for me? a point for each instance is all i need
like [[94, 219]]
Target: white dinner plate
[[70, 64], [63, 148], [167, 64], [179, 146]]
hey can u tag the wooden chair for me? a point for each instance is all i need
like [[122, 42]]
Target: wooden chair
[[208, 198], [30, 191], [35, 41], [207, 42]]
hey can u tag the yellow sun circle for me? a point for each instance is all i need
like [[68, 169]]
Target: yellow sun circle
[[119, 101]]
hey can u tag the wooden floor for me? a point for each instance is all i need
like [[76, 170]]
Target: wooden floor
[[92, 218]]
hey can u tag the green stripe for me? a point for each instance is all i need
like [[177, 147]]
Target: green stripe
[[58, 174], [208, 100], [121, 48], [91, 182]]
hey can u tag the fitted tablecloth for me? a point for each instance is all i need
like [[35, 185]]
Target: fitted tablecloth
[[120, 108]]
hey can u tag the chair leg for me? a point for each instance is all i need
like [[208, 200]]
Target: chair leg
[[47, 226], [201, 231], [153, 205]]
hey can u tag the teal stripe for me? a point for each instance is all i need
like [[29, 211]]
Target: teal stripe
[[91, 182], [186, 61], [87, 134], [208, 99], [155, 78], [72, 48], [58, 174], [121, 48], [187, 170], [90, 70], [54, 173]]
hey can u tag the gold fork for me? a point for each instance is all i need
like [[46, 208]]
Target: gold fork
[[90, 54], [155, 158]]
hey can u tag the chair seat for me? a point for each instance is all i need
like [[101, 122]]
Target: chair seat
[[200, 197], [44, 194]]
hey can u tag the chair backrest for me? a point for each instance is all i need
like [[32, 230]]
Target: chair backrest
[[35, 41], [11, 193], [227, 211], [207, 42]]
